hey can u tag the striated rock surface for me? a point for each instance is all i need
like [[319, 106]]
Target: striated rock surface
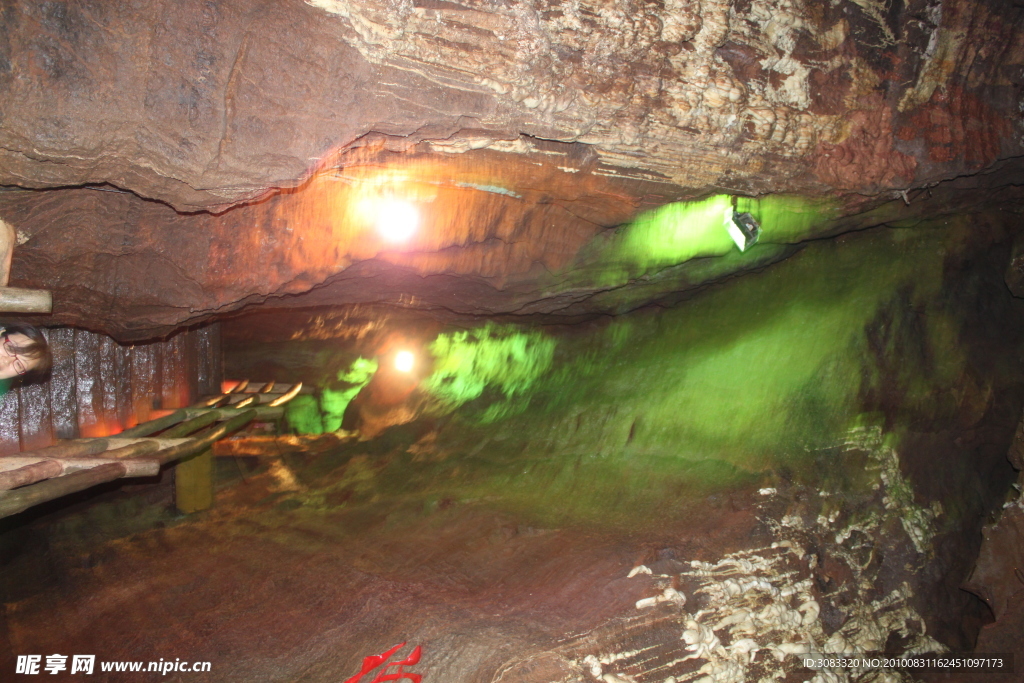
[[203, 105], [246, 133]]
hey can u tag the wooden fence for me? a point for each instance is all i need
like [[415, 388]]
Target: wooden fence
[[100, 387]]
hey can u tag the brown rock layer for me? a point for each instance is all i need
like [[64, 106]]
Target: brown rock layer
[[203, 105], [524, 128]]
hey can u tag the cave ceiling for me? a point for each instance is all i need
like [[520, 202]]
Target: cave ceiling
[[169, 162]]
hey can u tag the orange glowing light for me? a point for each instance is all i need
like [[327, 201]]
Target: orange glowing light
[[404, 361], [397, 220], [229, 384], [100, 428]]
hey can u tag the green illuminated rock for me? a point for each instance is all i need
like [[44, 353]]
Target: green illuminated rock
[[497, 357], [308, 415]]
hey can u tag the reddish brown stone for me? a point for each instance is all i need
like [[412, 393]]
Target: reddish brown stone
[[866, 158]]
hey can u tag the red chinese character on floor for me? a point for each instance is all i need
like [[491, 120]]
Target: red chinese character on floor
[[373, 661]]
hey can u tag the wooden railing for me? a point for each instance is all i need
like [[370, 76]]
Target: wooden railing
[[185, 436]]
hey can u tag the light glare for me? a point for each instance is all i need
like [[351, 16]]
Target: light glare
[[404, 360], [397, 220]]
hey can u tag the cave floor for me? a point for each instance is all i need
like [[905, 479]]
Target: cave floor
[[332, 551], [301, 584]]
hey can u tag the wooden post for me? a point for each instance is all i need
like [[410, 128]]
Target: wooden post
[[193, 479], [193, 483], [63, 399]]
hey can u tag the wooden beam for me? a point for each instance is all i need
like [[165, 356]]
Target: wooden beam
[[262, 412], [265, 398], [70, 449], [240, 387], [154, 426], [13, 502], [135, 467], [136, 448], [30, 474], [15, 300], [86, 447], [261, 388], [287, 396], [194, 424], [205, 439]]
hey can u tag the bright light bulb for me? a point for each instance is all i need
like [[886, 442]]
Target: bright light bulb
[[397, 220], [404, 360]]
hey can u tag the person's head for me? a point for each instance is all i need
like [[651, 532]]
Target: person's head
[[23, 352]]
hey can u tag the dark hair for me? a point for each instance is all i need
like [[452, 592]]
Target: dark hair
[[37, 349]]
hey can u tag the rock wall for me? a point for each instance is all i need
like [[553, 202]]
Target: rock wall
[[225, 147]]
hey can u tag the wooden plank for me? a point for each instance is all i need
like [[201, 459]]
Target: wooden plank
[[190, 341], [13, 502], [144, 384], [240, 387], [216, 357], [262, 412], [193, 483], [108, 382], [69, 449], [257, 397], [124, 409], [113, 447], [10, 435], [34, 417], [285, 398], [121, 447], [88, 394], [63, 398], [207, 347], [16, 299], [174, 389], [158, 376], [275, 388]]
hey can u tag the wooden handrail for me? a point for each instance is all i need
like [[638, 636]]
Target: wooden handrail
[[55, 471], [13, 502]]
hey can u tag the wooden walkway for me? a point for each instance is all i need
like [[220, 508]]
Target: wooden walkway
[[185, 436]]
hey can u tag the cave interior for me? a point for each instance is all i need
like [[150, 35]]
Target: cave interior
[[640, 341]]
